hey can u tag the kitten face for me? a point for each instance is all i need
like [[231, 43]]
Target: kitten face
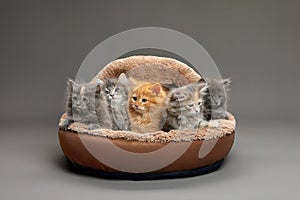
[[185, 100], [216, 101], [83, 99], [191, 107], [215, 92], [145, 97], [116, 89], [216, 98]]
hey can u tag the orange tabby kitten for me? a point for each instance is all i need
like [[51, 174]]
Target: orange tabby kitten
[[146, 107]]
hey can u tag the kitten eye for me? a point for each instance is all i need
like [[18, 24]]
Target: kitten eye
[[191, 105], [144, 100], [117, 89], [74, 98], [199, 103], [106, 92], [134, 98]]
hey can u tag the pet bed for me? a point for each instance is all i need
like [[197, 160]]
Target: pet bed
[[133, 156]]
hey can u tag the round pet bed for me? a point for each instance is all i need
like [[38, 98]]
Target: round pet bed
[[133, 156]]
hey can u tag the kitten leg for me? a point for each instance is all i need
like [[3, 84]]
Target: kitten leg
[[226, 116], [126, 127], [66, 123], [107, 124], [220, 115], [93, 126]]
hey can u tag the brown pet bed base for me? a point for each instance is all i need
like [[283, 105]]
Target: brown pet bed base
[[143, 176]]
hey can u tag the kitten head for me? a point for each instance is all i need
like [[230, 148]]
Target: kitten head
[[185, 100], [147, 96], [82, 97], [116, 88], [216, 91]]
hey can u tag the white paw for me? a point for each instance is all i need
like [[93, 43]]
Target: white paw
[[214, 124], [203, 124]]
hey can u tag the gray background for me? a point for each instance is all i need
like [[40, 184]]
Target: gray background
[[254, 42]]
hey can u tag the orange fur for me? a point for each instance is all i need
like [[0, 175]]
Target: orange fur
[[147, 102]]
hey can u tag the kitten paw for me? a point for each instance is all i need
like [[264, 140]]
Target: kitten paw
[[220, 116], [226, 116], [203, 124], [213, 124], [65, 123]]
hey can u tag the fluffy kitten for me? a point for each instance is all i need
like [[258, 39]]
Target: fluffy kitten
[[116, 91], [214, 99], [184, 108], [85, 104], [147, 106]]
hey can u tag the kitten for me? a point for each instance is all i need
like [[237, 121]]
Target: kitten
[[85, 104], [147, 104], [116, 91], [214, 99], [184, 108]]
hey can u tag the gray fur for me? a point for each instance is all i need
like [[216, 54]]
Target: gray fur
[[184, 108], [214, 99], [116, 91], [85, 104]]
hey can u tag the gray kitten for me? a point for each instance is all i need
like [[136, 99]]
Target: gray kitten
[[184, 107], [116, 91], [87, 105], [214, 99]]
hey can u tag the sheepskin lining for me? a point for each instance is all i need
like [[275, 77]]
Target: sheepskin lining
[[215, 129]]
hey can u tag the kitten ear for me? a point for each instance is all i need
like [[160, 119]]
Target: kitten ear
[[204, 90], [226, 83], [201, 83], [169, 86], [98, 89], [123, 79], [156, 89], [179, 96], [70, 85], [70, 82], [99, 82], [201, 80]]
